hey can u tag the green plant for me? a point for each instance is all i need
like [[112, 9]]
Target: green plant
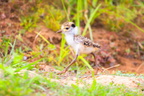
[[86, 11], [63, 51], [115, 15], [29, 22], [46, 14], [98, 89], [53, 17], [19, 83], [119, 73]]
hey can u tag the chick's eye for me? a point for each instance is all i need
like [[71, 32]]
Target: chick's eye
[[67, 28], [73, 25]]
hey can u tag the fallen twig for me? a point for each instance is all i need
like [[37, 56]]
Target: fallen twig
[[111, 67], [139, 67]]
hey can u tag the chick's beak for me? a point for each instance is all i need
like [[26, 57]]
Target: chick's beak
[[59, 31]]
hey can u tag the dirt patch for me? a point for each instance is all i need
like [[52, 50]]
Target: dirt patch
[[130, 82], [71, 78], [123, 47]]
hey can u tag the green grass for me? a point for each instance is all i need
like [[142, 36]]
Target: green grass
[[20, 84], [95, 89], [114, 15], [119, 73]]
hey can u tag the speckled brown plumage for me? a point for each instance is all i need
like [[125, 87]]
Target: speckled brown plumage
[[85, 41]]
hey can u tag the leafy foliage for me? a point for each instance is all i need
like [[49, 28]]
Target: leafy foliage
[[43, 14]]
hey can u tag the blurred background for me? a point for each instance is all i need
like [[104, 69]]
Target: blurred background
[[30, 25], [28, 38]]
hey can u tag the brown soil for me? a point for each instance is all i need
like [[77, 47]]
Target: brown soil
[[70, 78], [130, 82], [116, 45]]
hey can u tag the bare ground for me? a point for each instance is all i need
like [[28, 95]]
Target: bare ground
[[105, 79]]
